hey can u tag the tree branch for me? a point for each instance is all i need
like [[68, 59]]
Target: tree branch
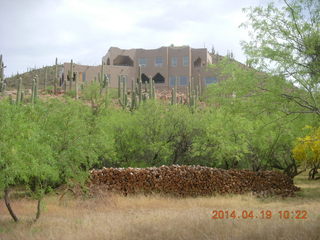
[[294, 18]]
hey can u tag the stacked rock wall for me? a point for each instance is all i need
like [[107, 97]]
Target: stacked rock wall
[[191, 181]]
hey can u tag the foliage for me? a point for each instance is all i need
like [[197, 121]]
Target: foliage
[[91, 91], [97, 98], [49, 90], [154, 134], [252, 117], [67, 130], [251, 101], [23, 154], [223, 142], [70, 93], [45, 145], [286, 42], [307, 151]]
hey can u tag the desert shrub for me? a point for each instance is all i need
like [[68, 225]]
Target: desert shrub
[[307, 151], [140, 137], [45, 145], [224, 142], [91, 91], [153, 135], [70, 94], [67, 128]]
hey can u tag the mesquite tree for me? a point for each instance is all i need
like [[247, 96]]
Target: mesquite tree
[[40, 147], [286, 42]]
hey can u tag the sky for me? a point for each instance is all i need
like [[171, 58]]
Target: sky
[[34, 32]]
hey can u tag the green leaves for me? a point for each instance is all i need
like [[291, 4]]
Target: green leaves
[[286, 42], [45, 145], [250, 105], [307, 151]]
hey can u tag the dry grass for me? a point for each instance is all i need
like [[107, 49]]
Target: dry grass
[[157, 217]]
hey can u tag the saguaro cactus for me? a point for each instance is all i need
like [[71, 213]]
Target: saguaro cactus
[[140, 85], [75, 77], [1, 67], [151, 89], [103, 79], [2, 82], [190, 90], [45, 79], [140, 91], [200, 85], [137, 94], [107, 82], [36, 87], [174, 92], [133, 96], [122, 92], [99, 77], [55, 80], [119, 86], [102, 71], [193, 91], [71, 75], [19, 90], [33, 91]]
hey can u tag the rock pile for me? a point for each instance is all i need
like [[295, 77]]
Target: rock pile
[[191, 181]]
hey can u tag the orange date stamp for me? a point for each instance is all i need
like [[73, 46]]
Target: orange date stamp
[[259, 214]]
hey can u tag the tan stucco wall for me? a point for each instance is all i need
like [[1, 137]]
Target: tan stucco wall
[[166, 70], [150, 70], [91, 71]]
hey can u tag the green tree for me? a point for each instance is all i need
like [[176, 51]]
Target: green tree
[[307, 151], [224, 142], [142, 137], [286, 42], [257, 115], [25, 160], [153, 135], [67, 128], [45, 145]]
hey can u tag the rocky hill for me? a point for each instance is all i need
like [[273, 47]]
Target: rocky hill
[[28, 76]]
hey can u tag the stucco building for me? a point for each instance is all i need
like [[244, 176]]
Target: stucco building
[[163, 65]]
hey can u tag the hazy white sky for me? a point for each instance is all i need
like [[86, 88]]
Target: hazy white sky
[[34, 32]]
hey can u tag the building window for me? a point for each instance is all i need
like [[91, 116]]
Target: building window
[[142, 62], [124, 78], [144, 78], [183, 81], [210, 80], [158, 78], [197, 63], [84, 76], [123, 60], [159, 62], [174, 61], [172, 81], [185, 61]]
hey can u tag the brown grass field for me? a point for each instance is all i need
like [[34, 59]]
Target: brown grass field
[[158, 217]]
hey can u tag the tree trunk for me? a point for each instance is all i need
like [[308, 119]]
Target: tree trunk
[[38, 210], [312, 173], [7, 202]]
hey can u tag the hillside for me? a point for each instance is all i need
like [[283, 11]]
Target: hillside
[[28, 76]]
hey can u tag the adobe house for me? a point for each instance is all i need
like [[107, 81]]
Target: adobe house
[[163, 65]]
